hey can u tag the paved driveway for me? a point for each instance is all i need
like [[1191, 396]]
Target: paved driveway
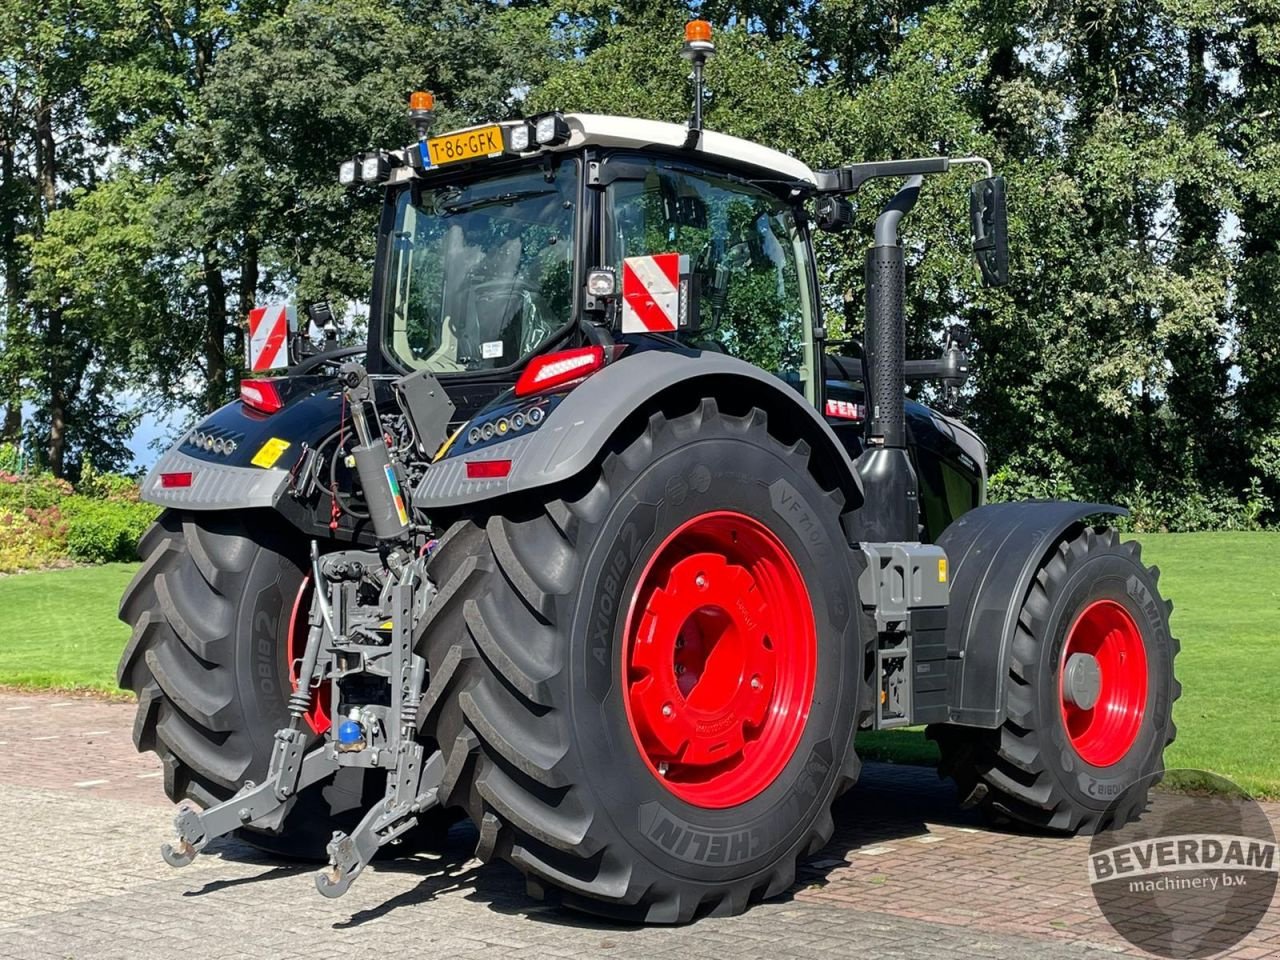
[[907, 875]]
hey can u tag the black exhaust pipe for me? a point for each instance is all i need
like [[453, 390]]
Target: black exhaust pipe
[[891, 509]]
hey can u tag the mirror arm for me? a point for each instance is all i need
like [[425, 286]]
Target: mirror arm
[[983, 161], [849, 178]]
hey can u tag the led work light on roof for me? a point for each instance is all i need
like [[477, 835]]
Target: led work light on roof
[[347, 173], [375, 167], [550, 129], [518, 138]]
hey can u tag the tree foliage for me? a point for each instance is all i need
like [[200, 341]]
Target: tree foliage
[[164, 166]]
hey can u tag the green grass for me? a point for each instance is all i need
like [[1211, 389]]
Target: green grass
[[59, 627], [60, 631], [1226, 593]]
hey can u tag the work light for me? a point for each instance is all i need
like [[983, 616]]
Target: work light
[[550, 129], [374, 167], [518, 138], [602, 282], [347, 173]]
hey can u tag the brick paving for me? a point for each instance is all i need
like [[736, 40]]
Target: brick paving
[[907, 875]]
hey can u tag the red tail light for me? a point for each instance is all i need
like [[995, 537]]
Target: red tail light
[[557, 369], [487, 469], [262, 395], [170, 480]]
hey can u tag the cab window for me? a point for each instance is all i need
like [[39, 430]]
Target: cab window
[[746, 253]]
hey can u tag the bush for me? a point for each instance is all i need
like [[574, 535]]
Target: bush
[[31, 537], [1189, 511], [105, 531], [106, 486], [37, 491], [10, 458], [1017, 480]]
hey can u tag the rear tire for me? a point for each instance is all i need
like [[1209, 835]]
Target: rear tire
[[1053, 765], [525, 647], [210, 611]]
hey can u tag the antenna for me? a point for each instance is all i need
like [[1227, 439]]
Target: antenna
[[698, 49]]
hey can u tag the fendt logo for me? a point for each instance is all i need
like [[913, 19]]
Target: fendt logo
[[1194, 876]]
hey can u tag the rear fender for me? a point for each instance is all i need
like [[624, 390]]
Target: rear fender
[[264, 448], [580, 427], [993, 553]]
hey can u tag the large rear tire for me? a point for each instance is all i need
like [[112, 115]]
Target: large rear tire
[[212, 610], [541, 649], [1090, 695]]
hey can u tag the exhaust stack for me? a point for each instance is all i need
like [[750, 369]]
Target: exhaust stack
[[892, 510]]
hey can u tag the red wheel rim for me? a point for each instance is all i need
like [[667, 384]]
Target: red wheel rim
[[317, 715], [719, 659], [1103, 733]]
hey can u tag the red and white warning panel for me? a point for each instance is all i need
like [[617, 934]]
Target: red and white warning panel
[[269, 329], [655, 292]]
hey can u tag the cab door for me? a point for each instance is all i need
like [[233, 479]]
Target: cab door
[[747, 251]]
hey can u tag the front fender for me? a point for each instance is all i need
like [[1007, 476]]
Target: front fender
[[580, 426], [994, 551]]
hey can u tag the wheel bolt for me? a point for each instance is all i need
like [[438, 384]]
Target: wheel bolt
[[755, 682], [667, 710], [679, 669], [701, 581], [663, 768]]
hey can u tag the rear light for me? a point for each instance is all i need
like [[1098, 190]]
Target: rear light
[[171, 480], [487, 469], [557, 369], [261, 395]]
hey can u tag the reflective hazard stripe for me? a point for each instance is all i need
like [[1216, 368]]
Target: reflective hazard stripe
[[268, 337], [651, 293]]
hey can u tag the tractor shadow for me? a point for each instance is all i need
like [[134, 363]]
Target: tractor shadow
[[890, 802]]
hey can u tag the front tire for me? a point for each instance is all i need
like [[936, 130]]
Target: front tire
[[536, 693], [1089, 693]]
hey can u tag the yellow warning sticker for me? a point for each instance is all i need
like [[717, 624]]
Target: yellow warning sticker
[[269, 453], [942, 569]]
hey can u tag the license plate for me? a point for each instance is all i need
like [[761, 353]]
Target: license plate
[[467, 145]]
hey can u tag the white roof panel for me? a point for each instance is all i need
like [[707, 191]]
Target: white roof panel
[[590, 129], [597, 129]]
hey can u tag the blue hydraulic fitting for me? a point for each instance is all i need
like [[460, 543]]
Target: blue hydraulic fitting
[[350, 732]]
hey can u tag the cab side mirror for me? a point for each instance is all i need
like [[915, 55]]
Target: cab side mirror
[[833, 214], [988, 222], [320, 314]]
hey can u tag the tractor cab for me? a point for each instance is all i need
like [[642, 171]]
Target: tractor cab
[[549, 243]]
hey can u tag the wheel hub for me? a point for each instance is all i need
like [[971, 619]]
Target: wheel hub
[[720, 659], [1103, 682], [1081, 681]]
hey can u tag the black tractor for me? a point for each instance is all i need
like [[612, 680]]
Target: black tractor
[[600, 542]]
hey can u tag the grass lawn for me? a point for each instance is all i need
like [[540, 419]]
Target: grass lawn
[[60, 628], [1225, 589], [60, 631]]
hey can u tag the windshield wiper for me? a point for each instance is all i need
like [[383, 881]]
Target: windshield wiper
[[449, 209]]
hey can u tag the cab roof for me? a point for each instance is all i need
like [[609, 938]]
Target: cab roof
[[590, 129]]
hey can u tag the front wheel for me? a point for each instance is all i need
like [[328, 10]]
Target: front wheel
[[1089, 693], [645, 691]]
